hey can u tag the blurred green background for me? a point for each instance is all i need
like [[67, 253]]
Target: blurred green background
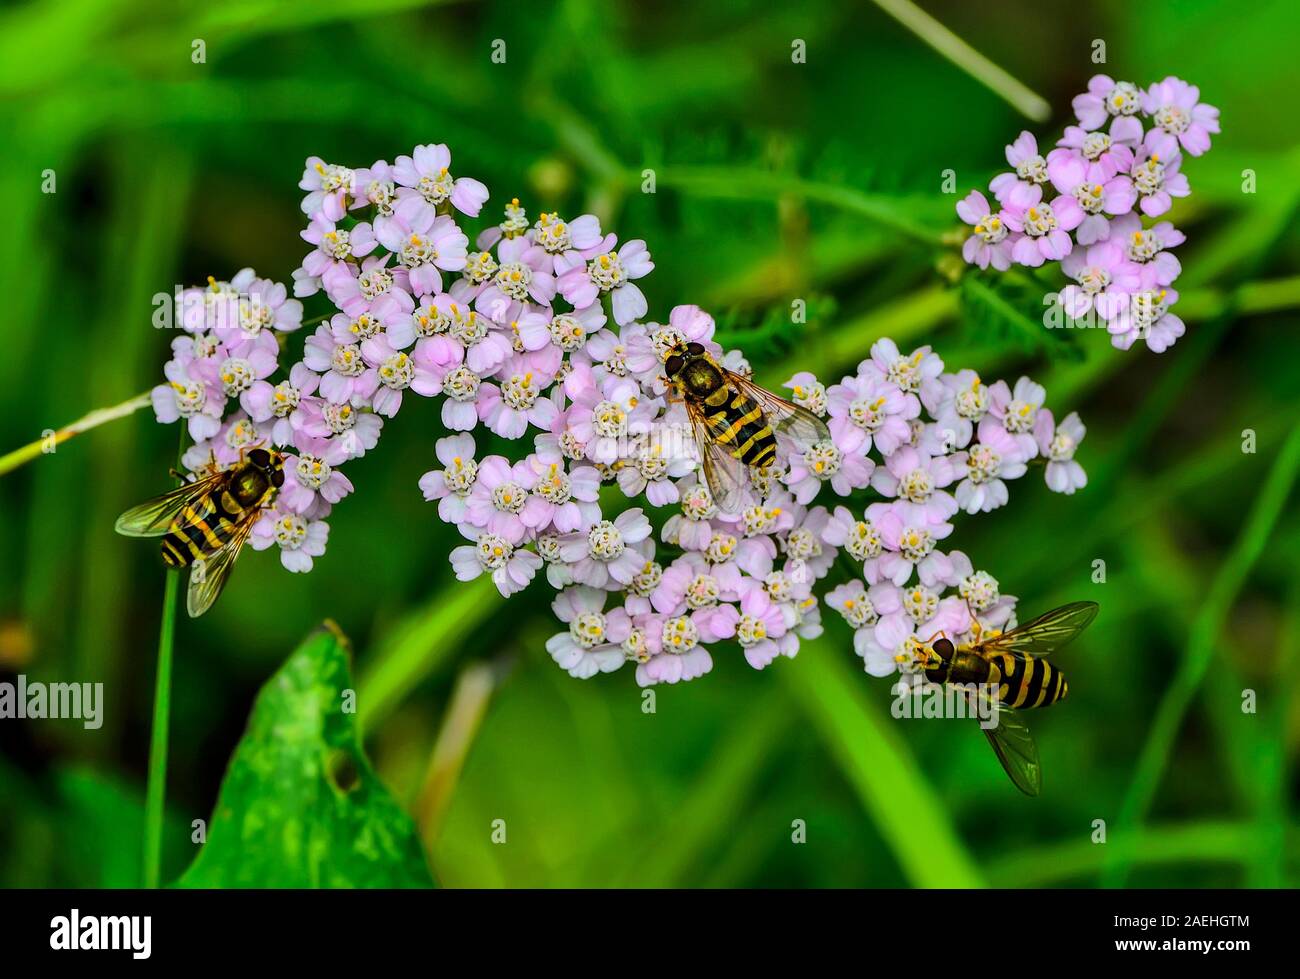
[[775, 181]]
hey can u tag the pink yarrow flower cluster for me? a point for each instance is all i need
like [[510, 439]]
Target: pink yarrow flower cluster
[[222, 382], [910, 447], [1096, 204], [537, 336]]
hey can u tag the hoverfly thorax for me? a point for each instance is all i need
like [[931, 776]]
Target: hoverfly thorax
[[259, 473], [269, 462], [690, 368]]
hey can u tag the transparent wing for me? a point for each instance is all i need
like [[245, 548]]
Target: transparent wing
[[727, 477], [1016, 750], [152, 517], [208, 576], [785, 417], [1048, 632]]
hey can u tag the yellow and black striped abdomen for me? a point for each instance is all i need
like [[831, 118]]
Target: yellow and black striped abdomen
[[202, 529], [736, 421], [1027, 681]]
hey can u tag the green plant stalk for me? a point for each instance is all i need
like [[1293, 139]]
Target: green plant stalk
[[469, 702], [46, 444], [1018, 95], [1209, 623], [156, 786], [1274, 766], [162, 702], [748, 183]]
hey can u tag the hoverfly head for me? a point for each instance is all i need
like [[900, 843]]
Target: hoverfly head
[[937, 659], [943, 648]]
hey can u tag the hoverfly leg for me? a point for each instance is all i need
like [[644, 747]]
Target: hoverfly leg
[[975, 627]]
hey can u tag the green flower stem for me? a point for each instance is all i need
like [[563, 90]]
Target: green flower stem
[[162, 700], [46, 444], [156, 788], [747, 183]]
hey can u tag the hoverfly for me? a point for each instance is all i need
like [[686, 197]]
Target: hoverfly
[[735, 422], [205, 523], [1012, 661]]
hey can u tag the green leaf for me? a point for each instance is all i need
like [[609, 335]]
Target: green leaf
[[300, 805]]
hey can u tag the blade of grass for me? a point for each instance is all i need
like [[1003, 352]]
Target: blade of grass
[[892, 789], [1170, 845], [1273, 766], [469, 702], [422, 643], [1205, 630], [1170, 584], [1018, 95]]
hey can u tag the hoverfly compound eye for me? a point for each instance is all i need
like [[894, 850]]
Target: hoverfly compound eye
[[695, 349], [944, 648], [260, 458], [674, 364], [277, 478]]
